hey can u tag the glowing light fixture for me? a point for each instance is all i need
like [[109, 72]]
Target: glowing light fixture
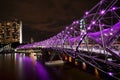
[[77, 22], [93, 22], [113, 8], [102, 24], [84, 65], [111, 33], [66, 27], [105, 34], [71, 28], [88, 28], [86, 13], [110, 73], [74, 22], [68, 32], [102, 12]]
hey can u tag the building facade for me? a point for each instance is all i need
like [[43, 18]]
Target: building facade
[[10, 31]]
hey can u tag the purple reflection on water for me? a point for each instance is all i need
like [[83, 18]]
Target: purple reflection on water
[[31, 69], [41, 71]]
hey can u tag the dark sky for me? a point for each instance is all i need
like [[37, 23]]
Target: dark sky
[[44, 17]]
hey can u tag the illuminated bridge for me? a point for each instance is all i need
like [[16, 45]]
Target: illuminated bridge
[[94, 39]]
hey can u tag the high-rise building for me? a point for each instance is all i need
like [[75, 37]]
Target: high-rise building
[[10, 31]]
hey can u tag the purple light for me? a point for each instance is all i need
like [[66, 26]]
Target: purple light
[[74, 22], [110, 73], [114, 8], [86, 13], [93, 22], [75, 31], [101, 1], [62, 31], [107, 39], [80, 38], [102, 12], [102, 24], [88, 28], [68, 32], [77, 22], [71, 28], [66, 27], [83, 31]]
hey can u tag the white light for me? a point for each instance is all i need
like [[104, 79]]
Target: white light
[[20, 31], [109, 59], [80, 39], [102, 12], [83, 31], [86, 13], [110, 73], [105, 34], [111, 34], [71, 28]]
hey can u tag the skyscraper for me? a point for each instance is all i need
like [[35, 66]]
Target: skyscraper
[[10, 31]]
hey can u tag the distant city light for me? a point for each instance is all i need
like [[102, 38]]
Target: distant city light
[[75, 31]]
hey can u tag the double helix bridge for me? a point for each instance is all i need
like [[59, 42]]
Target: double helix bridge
[[94, 39]]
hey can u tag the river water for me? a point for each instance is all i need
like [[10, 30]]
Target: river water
[[21, 67]]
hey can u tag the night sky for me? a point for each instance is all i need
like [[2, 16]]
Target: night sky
[[44, 18]]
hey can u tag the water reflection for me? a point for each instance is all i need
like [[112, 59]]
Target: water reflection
[[28, 66], [20, 67], [76, 62], [70, 59], [66, 58], [96, 72], [84, 65]]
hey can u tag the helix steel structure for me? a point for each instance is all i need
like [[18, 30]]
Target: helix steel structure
[[94, 39]]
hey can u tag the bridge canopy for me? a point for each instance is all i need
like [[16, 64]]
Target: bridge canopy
[[109, 35]]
